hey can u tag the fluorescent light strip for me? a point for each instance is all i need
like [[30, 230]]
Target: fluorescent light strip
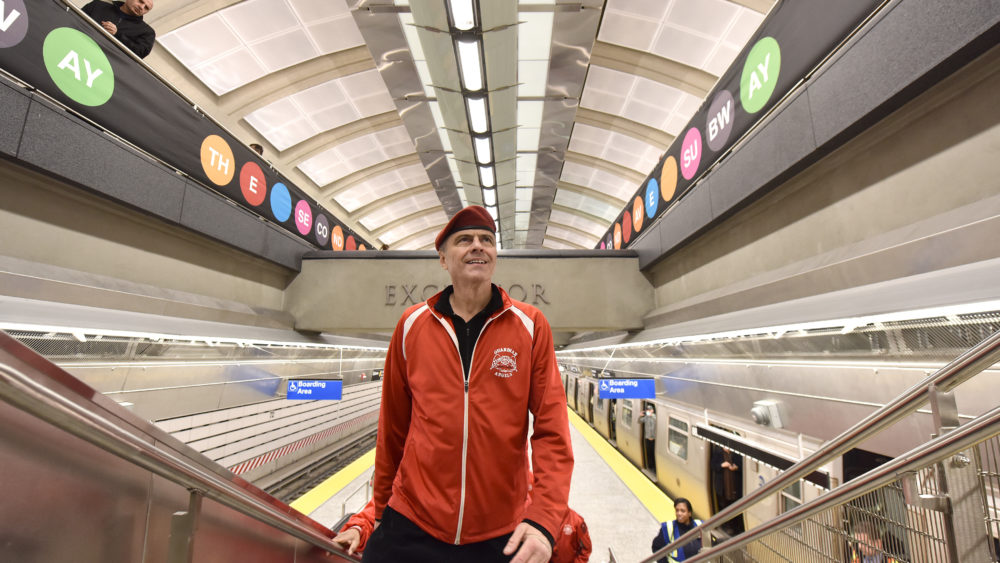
[[486, 178], [462, 15], [849, 324], [174, 338], [493, 211], [470, 64], [478, 119], [484, 150], [490, 197]]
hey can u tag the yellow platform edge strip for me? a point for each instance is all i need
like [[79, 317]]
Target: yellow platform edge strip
[[323, 492], [652, 497]]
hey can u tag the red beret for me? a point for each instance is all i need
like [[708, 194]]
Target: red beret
[[472, 217]]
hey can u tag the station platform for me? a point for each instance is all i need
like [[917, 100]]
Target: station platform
[[621, 506]]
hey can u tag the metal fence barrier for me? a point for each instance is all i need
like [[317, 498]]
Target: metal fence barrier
[[936, 389]]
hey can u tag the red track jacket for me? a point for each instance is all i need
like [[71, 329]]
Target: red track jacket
[[450, 457], [573, 542]]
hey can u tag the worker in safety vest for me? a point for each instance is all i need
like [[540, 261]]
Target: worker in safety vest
[[670, 531]]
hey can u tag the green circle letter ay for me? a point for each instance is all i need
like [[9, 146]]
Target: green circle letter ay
[[760, 74], [78, 66]]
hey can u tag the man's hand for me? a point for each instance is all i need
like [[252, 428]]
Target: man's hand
[[348, 539], [535, 546], [110, 27]]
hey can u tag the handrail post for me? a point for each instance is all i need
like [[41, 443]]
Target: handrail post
[[183, 525], [958, 485]]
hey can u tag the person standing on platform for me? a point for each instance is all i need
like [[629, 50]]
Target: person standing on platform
[[463, 372], [670, 531], [124, 21], [648, 422]]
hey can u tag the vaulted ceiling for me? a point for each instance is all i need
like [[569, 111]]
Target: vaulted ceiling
[[366, 106]]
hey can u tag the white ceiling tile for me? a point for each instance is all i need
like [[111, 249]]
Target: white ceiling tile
[[566, 234], [529, 114], [229, 72], [386, 214], [200, 41], [521, 221], [711, 18], [534, 35], [721, 59], [290, 133], [423, 242], [651, 9], [628, 30], [528, 138], [284, 50], [586, 204], [744, 27], [333, 117], [579, 222], [310, 10], [527, 162], [336, 34], [556, 245], [416, 225], [683, 46], [254, 20], [532, 77]]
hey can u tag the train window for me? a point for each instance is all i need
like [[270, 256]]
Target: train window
[[627, 414], [677, 438], [791, 497]]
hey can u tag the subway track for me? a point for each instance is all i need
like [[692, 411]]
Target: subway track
[[301, 482]]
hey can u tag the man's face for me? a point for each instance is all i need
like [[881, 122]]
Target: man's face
[[138, 7], [469, 256]]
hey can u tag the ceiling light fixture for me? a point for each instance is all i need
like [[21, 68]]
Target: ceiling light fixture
[[486, 178], [484, 149], [490, 197], [463, 16], [470, 64], [478, 118]]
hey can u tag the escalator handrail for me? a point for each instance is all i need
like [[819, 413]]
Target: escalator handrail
[[20, 390]]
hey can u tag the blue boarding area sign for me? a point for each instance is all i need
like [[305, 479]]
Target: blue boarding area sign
[[314, 389], [627, 389]]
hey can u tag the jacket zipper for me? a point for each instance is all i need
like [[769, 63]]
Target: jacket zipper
[[465, 421]]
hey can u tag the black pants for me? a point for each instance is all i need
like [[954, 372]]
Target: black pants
[[650, 453], [397, 539]]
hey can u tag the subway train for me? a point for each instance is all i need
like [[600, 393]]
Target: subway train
[[764, 402]]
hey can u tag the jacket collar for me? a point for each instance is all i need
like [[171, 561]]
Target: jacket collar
[[505, 302]]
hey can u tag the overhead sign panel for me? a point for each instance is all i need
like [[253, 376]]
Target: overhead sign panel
[[62, 54], [627, 389], [793, 39], [315, 389]]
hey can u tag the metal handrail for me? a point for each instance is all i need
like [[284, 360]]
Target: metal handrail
[[21, 391], [973, 361], [962, 438]]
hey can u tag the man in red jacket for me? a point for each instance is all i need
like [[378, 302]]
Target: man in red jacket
[[463, 372]]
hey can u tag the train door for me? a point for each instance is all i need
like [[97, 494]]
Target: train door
[[590, 402], [576, 392], [612, 416], [647, 421], [726, 482]]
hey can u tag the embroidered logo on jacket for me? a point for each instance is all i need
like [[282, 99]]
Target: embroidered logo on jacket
[[504, 362]]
